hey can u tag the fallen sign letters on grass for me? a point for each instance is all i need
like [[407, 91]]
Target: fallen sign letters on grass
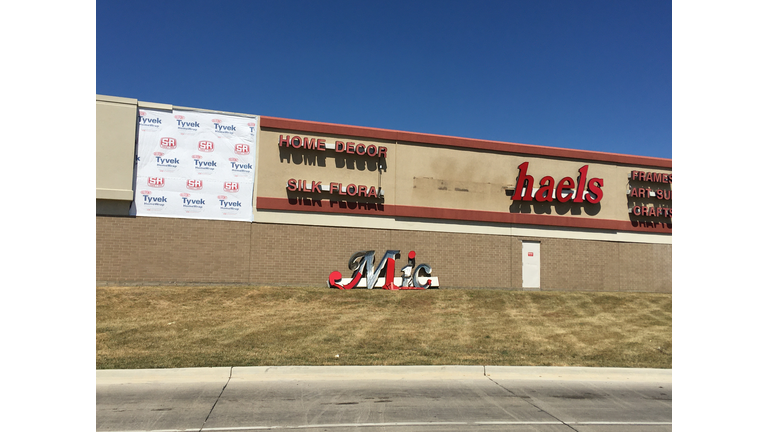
[[362, 264]]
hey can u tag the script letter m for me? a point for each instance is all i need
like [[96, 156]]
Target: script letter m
[[364, 261]]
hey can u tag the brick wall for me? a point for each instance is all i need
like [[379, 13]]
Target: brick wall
[[306, 255], [645, 267], [167, 250], [579, 265]]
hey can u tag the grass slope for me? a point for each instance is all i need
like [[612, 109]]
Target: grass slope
[[172, 327]]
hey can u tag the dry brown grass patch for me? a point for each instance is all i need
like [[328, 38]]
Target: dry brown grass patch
[[155, 327]]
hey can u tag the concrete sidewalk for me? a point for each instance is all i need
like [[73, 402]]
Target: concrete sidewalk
[[341, 373]]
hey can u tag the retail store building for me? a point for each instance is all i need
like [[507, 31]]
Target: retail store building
[[306, 196]]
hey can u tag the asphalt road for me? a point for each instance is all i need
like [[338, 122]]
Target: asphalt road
[[396, 398]]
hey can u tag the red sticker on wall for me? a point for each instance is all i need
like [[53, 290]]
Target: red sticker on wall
[[530, 253]]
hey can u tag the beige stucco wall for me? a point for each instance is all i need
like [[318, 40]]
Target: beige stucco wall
[[115, 147], [432, 176], [425, 175], [413, 174]]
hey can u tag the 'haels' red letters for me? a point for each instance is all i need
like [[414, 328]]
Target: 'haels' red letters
[[563, 191]]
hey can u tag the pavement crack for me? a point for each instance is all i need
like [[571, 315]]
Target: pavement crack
[[528, 400], [217, 399]]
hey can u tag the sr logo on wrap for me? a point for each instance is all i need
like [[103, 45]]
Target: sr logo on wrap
[[205, 146], [155, 182], [193, 184], [242, 149], [362, 264], [168, 143]]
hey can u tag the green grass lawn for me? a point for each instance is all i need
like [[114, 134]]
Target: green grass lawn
[[173, 327]]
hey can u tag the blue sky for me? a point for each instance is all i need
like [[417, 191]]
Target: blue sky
[[592, 75]]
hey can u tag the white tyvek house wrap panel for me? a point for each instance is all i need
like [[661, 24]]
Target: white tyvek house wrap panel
[[195, 165]]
